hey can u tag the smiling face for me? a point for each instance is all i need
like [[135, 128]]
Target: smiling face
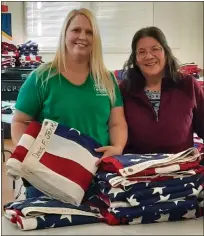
[[150, 57], [79, 37]]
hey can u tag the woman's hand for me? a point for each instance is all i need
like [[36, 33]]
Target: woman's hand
[[108, 151]]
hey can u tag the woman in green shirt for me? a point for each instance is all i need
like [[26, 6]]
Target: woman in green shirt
[[75, 89]]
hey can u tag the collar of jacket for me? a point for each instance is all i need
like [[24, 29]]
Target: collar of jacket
[[138, 90]]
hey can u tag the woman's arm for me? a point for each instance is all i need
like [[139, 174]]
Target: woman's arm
[[19, 124], [29, 103], [198, 113], [118, 128], [118, 134]]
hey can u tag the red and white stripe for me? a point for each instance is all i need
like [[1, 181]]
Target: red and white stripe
[[59, 167]]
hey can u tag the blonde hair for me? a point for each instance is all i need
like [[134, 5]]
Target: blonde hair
[[101, 75]]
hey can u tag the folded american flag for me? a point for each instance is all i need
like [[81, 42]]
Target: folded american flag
[[176, 210], [151, 190], [30, 58], [51, 157], [136, 198], [150, 205], [149, 164], [45, 212], [115, 180]]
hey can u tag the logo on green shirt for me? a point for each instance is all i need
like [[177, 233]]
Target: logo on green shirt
[[100, 91]]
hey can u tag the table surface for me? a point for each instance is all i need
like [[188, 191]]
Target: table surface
[[187, 227]]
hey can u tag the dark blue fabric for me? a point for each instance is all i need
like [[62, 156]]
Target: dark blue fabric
[[32, 192]]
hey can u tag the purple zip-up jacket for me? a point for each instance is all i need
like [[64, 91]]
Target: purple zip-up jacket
[[181, 113]]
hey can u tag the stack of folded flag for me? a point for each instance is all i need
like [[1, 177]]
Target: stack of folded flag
[[31, 62], [9, 55], [29, 57], [28, 49], [150, 188], [22, 55], [126, 189]]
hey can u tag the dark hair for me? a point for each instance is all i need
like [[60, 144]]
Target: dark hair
[[133, 72]]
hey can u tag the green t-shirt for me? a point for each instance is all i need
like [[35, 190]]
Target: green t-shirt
[[83, 107]]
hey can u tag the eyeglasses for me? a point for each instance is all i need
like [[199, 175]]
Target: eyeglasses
[[143, 53]]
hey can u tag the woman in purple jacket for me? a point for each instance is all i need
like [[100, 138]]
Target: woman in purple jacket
[[163, 108]]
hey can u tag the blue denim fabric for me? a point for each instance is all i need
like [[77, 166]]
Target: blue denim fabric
[[32, 192]]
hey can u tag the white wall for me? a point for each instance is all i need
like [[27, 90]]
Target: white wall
[[182, 23]]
